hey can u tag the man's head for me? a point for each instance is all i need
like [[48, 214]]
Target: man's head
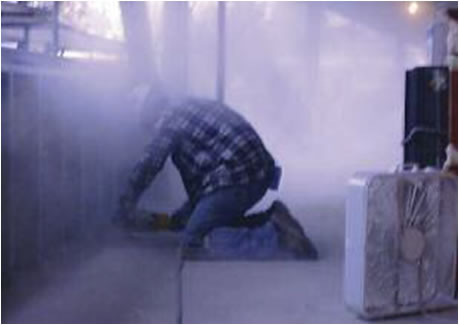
[[148, 100]]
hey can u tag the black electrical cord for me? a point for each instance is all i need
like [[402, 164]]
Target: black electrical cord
[[179, 276]]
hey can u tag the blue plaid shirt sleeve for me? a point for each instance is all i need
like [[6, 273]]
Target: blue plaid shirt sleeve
[[148, 167]]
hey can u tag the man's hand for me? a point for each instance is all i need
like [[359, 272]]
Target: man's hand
[[125, 214], [149, 221]]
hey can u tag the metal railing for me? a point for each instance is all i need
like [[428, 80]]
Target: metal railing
[[60, 157]]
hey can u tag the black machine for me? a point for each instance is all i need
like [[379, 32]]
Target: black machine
[[426, 116]]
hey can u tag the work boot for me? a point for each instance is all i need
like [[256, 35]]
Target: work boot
[[291, 234]]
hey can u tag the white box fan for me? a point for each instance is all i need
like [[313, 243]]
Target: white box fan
[[401, 243]]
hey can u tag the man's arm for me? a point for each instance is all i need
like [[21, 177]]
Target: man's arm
[[143, 174]]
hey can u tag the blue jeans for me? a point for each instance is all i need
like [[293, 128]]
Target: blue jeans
[[220, 217]]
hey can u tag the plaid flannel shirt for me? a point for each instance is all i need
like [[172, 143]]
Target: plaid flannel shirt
[[210, 144]]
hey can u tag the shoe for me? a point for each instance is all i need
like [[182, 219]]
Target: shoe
[[291, 234]]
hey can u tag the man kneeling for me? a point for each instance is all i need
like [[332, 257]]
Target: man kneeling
[[225, 169]]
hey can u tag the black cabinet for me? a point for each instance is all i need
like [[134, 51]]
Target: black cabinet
[[426, 116]]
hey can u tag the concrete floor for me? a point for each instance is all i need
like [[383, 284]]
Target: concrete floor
[[134, 281]]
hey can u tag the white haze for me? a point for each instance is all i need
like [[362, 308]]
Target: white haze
[[323, 83]]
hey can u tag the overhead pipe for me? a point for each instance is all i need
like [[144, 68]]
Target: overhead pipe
[[221, 51]]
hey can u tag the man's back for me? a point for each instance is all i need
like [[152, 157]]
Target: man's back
[[214, 147]]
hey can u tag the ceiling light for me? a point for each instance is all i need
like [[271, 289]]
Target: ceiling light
[[413, 8]]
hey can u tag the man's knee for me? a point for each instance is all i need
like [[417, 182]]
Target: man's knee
[[223, 208]]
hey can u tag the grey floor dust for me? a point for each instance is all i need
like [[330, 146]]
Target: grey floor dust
[[134, 281]]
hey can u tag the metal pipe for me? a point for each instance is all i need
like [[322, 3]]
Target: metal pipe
[[175, 46], [26, 39], [181, 265], [138, 41], [55, 27], [221, 49]]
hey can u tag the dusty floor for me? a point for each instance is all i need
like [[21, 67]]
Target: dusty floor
[[134, 281]]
